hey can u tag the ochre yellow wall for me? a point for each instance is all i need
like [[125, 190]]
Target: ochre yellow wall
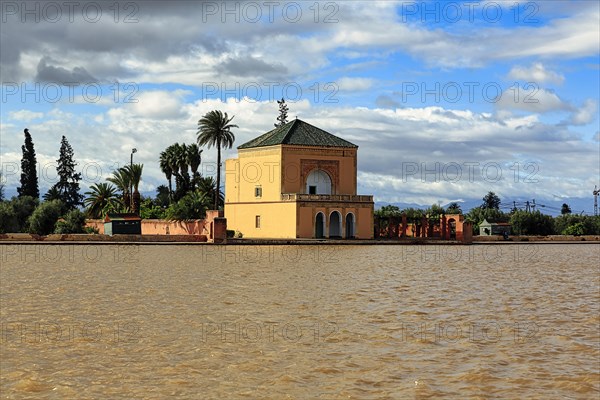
[[254, 167], [277, 220]]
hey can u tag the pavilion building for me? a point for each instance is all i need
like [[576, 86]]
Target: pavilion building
[[296, 181]]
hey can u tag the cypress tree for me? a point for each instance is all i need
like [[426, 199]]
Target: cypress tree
[[29, 180], [283, 110], [67, 186]]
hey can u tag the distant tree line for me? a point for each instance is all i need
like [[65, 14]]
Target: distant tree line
[[522, 222], [59, 212], [64, 209]]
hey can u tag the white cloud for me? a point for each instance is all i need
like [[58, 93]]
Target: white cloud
[[158, 104], [354, 84], [532, 99], [25, 115], [536, 73], [585, 114]]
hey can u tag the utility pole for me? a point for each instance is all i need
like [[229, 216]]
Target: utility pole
[[527, 206], [596, 193], [533, 206], [134, 150]]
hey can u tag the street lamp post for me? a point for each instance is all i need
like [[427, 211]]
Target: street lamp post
[[134, 150]]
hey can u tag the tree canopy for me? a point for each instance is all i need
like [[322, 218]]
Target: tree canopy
[[491, 201], [29, 179], [67, 186]]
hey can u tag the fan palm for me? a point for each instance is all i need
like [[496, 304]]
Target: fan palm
[[214, 129], [101, 199], [163, 196], [165, 167], [175, 157], [194, 158], [208, 186], [135, 176], [122, 180], [191, 206], [181, 154]]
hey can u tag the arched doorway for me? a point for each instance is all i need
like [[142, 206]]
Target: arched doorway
[[335, 225], [349, 225], [452, 228], [320, 226], [318, 182]]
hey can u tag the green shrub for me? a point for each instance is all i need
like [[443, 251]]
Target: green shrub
[[43, 220], [8, 218], [585, 224], [90, 230], [72, 222], [531, 223], [23, 208], [149, 210], [577, 229]]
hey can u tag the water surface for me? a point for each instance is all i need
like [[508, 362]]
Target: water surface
[[300, 322]]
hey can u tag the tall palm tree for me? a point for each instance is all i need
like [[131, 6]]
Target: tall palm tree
[[135, 176], [181, 152], [163, 196], [179, 163], [101, 199], [173, 155], [122, 181], [165, 167], [194, 158], [214, 129]]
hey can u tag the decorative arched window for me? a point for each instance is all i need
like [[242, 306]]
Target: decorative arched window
[[318, 182]]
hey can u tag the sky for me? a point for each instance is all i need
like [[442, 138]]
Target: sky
[[446, 100]]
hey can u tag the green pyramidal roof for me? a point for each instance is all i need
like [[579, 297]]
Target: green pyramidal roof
[[299, 133]]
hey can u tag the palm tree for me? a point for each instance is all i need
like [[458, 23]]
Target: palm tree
[[194, 158], [454, 208], [135, 176], [191, 206], [122, 180], [165, 167], [207, 185], [163, 196], [214, 129], [101, 199], [52, 194], [181, 154], [176, 157]]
